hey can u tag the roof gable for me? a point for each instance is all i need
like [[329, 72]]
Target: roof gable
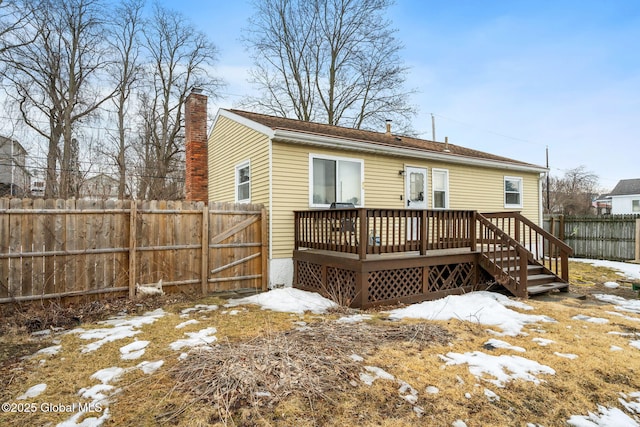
[[373, 139], [626, 187]]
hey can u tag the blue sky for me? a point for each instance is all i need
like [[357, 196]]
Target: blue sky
[[506, 77]]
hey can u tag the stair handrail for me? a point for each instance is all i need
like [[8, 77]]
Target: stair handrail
[[556, 248], [516, 284]]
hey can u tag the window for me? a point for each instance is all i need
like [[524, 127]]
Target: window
[[335, 180], [440, 179], [243, 182], [512, 192], [635, 206]]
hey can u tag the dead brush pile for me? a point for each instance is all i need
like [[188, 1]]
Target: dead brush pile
[[308, 362]]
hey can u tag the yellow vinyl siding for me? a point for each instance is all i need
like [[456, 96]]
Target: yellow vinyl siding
[[470, 187], [231, 143]]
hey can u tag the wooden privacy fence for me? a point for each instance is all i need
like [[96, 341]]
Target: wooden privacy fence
[[63, 248], [611, 237]]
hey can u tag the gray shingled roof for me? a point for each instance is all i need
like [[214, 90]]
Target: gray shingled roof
[[626, 187]]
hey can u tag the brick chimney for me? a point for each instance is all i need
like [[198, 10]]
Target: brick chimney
[[195, 131]]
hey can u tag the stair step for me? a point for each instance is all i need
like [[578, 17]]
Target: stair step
[[540, 279], [531, 269], [540, 289]]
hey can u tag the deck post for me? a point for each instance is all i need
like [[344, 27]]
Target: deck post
[[473, 241], [423, 232], [296, 231], [364, 233]]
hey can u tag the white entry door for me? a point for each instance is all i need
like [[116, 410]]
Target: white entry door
[[415, 188]]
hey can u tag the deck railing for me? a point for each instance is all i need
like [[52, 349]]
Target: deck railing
[[545, 248], [365, 231]]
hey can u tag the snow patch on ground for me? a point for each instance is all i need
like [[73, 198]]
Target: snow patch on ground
[[622, 304], [354, 318], [198, 308], [566, 355], [34, 391], [585, 318], [494, 343], [119, 328], [543, 341], [607, 417], [134, 350], [196, 339], [107, 375], [187, 323], [502, 368], [288, 300], [150, 367], [486, 308]]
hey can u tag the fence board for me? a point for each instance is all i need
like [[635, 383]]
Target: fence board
[[601, 237], [58, 248]]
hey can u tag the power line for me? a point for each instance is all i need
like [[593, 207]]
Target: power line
[[489, 131]]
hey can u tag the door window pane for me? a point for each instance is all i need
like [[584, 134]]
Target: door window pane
[[416, 186]]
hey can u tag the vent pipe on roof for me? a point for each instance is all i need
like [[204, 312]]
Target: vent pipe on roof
[[388, 121], [446, 144]]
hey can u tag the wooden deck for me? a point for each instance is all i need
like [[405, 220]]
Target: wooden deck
[[364, 257]]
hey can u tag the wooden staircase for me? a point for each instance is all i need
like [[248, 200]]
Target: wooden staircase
[[520, 255]]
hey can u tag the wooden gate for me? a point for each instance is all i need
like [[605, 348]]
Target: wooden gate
[[237, 249]]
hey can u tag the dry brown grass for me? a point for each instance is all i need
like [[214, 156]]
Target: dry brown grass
[[314, 382]]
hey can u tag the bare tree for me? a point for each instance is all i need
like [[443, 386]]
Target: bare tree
[[15, 17], [126, 73], [56, 79], [180, 57], [335, 61], [573, 193]]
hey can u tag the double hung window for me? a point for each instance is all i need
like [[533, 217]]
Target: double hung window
[[243, 182], [512, 192]]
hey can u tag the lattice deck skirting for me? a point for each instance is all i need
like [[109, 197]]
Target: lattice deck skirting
[[364, 283]]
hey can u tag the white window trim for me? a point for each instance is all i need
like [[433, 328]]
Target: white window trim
[[446, 187], [239, 166], [504, 191], [337, 158]]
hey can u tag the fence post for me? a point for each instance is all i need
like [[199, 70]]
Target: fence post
[[132, 248], [205, 250], [637, 240], [265, 250]]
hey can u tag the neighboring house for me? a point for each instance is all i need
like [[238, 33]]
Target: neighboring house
[[14, 178], [290, 165], [602, 204], [101, 186], [625, 197]]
